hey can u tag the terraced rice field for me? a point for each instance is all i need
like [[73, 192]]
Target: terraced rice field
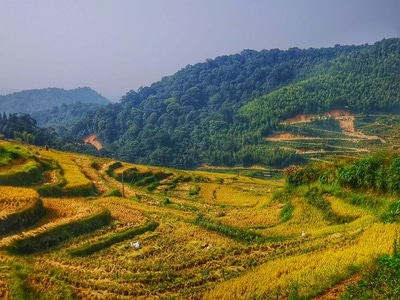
[[177, 235]]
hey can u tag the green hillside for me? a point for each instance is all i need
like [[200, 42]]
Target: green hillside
[[270, 108], [221, 112], [84, 227], [32, 101]]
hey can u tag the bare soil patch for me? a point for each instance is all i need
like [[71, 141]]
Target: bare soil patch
[[289, 136], [336, 114], [91, 139]]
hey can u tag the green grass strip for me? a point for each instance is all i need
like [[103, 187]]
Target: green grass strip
[[238, 234], [23, 219], [115, 238], [315, 197], [56, 236], [19, 284]]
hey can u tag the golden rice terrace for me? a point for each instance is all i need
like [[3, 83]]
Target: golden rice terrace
[[80, 227]]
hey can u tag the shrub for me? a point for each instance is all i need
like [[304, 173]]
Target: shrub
[[286, 212], [194, 191], [393, 213], [115, 193], [316, 198]]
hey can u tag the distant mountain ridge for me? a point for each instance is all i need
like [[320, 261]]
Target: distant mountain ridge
[[31, 101]]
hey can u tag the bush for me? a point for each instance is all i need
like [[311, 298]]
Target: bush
[[113, 167], [286, 212], [195, 191], [393, 213], [50, 190], [115, 193], [80, 191], [316, 198]]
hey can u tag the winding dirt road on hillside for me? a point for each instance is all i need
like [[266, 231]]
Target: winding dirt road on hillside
[[346, 123]]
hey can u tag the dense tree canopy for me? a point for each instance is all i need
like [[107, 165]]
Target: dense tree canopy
[[219, 111], [23, 128]]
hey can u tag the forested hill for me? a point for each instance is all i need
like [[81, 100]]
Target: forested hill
[[218, 112], [31, 101]]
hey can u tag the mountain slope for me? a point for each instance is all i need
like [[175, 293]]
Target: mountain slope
[[63, 116], [31, 101], [366, 81], [219, 112]]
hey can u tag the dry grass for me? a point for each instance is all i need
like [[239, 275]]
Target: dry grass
[[14, 199], [74, 176], [309, 273]]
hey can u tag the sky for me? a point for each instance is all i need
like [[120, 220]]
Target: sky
[[114, 46]]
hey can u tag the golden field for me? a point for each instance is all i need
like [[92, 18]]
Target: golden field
[[201, 235]]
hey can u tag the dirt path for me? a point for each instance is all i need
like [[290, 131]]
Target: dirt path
[[289, 137], [347, 125], [50, 177], [338, 290]]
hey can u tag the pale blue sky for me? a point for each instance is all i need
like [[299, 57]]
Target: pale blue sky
[[115, 46]]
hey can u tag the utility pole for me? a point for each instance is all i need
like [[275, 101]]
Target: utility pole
[[123, 194]]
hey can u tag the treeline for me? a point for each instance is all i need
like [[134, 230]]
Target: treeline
[[62, 117], [23, 128]]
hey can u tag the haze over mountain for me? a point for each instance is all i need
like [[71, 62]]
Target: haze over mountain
[[31, 101], [116, 46]]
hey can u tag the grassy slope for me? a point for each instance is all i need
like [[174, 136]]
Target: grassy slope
[[219, 235]]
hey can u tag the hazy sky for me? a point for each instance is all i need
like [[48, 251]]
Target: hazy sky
[[114, 46]]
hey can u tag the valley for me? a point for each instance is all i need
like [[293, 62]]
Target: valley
[[269, 174]]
